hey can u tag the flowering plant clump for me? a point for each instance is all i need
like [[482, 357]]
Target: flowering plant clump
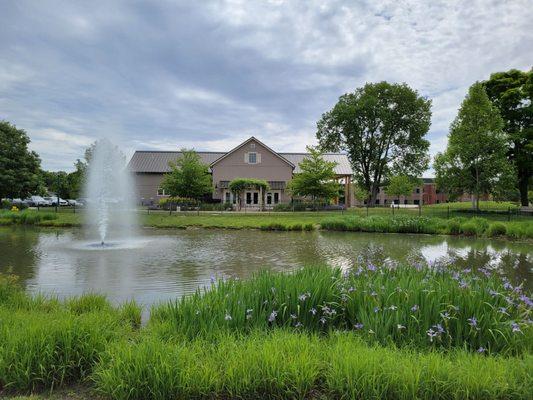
[[424, 306]]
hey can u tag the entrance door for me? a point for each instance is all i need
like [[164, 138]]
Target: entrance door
[[252, 198]]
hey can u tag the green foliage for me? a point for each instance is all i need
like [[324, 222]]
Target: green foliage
[[189, 177], [382, 127], [496, 229], [401, 185], [296, 366], [279, 226], [382, 300], [26, 217], [475, 160], [316, 179], [512, 93], [19, 167]]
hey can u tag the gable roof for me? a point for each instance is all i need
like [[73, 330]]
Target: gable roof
[[157, 162], [245, 143]]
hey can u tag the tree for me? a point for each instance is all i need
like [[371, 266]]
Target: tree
[[512, 93], [189, 177], [382, 127], [475, 160], [19, 167], [57, 182], [239, 185], [317, 179], [400, 185]]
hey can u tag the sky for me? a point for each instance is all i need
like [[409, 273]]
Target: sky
[[164, 75]]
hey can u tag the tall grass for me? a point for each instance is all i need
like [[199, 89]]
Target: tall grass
[[25, 217], [45, 343], [289, 365], [404, 306], [413, 224]]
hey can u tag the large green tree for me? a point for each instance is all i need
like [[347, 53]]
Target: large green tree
[[512, 93], [189, 177], [19, 167], [475, 160], [316, 179], [382, 127]]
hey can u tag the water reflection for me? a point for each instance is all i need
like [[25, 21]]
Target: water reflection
[[173, 263]]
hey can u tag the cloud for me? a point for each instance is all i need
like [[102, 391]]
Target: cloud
[[210, 74]]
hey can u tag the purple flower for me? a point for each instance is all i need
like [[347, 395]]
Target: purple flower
[[472, 322], [431, 333], [439, 328], [376, 309], [393, 308], [503, 310], [227, 317], [304, 296], [493, 293], [298, 325], [293, 316], [463, 285], [526, 300], [272, 316], [371, 267], [415, 308], [322, 320], [481, 350], [373, 294], [313, 311], [507, 286], [358, 326], [445, 315], [351, 289], [213, 279], [515, 327]]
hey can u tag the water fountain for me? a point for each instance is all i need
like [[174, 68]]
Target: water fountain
[[110, 216]]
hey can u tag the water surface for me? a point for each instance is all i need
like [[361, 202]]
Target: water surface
[[166, 264]]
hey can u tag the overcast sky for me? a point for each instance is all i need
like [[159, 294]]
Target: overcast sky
[[208, 74]]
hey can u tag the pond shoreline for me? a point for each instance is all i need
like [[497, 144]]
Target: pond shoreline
[[475, 226]]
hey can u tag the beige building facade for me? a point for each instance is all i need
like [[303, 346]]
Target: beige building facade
[[251, 159]]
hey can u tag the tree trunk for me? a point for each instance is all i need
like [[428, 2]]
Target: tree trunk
[[522, 187], [373, 195]]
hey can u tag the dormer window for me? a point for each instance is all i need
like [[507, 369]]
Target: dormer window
[[252, 145], [252, 158]]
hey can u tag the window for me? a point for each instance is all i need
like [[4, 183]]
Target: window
[[161, 192], [276, 198], [418, 190], [248, 198], [228, 197], [269, 198], [417, 202], [438, 201], [252, 158], [252, 145], [405, 202], [377, 201], [385, 201], [256, 198]]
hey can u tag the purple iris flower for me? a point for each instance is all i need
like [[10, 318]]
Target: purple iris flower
[[472, 322], [358, 326], [272, 316], [415, 308], [481, 350], [515, 327]]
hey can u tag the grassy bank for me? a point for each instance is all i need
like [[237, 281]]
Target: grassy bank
[[305, 221], [403, 333]]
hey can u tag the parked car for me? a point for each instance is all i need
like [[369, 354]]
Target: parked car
[[19, 201], [38, 201], [76, 203], [53, 201]]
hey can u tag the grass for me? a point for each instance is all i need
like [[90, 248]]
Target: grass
[[295, 366], [191, 349], [404, 306], [353, 220]]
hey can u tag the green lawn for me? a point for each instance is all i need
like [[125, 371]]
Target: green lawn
[[433, 220]]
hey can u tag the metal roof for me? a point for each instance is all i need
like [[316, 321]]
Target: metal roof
[[157, 161]]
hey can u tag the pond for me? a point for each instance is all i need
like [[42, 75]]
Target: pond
[[171, 263]]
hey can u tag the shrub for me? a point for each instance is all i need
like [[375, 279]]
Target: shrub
[[453, 226], [497, 229]]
